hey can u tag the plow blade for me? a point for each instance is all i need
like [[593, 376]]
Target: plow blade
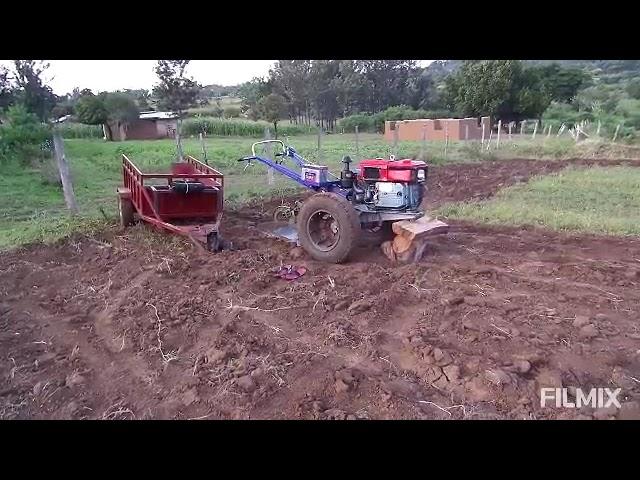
[[410, 240], [282, 230]]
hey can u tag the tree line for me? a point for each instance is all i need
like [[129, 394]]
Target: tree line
[[323, 91]]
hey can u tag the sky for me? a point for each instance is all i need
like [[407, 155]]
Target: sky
[[110, 75]]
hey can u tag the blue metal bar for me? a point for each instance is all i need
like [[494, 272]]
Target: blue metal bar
[[297, 158], [333, 186]]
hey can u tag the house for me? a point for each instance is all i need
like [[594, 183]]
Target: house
[[437, 129], [148, 126]]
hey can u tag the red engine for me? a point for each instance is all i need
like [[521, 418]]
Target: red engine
[[396, 185], [380, 170]]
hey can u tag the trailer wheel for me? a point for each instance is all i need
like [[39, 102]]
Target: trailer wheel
[[125, 209], [328, 227]]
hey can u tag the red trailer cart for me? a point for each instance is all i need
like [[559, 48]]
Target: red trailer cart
[[189, 203]]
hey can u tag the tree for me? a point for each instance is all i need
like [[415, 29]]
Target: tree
[[141, 97], [421, 90], [273, 107], [290, 78], [21, 135], [384, 81], [175, 92], [562, 84], [121, 109], [603, 96], [325, 85], [90, 109], [62, 109], [633, 89], [503, 89], [7, 93], [32, 92], [251, 93]]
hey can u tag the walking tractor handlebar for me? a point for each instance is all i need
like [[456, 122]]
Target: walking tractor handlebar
[[287, 151], [253, 147]]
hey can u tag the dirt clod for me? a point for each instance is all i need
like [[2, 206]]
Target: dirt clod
[[341, 387], [589, 331], [74, 380], [580, 321], [497, 377], [629, 410], [360, 306], [548, 379], [246, 383]]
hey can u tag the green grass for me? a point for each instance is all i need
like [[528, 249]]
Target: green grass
[[33, 211], [236, 127], [595, 200]]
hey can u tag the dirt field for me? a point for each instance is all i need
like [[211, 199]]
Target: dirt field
[[138, 327]]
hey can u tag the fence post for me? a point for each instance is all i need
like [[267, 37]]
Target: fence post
[[446, 138], [357, 144], [204, 150], [490, 138], [598, 129], [510, 126], [319, 156], [535, 129], [65, 176], [615, 135], [482, 141], [466, 132], [522, 124], [266, 152], [562, 127], [549, 132], [498, 137], [395, 141]]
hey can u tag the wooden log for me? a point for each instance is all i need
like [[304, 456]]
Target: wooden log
[[412, 254], [401, 244]]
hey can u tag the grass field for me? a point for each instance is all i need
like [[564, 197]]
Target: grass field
[[597, 199], [33, 211]]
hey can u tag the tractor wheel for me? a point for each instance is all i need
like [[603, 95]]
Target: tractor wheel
[[328, 227], [125, 209]]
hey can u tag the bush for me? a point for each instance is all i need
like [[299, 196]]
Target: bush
[[79, 130], [211, 111], [362, 121], [559, 113], [236, 128], [375, 123], [22, 137], [231, 112]]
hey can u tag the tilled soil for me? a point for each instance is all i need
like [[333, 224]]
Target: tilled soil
[[137, 325]]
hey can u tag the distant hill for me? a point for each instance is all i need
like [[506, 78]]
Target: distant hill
[[213, 91], [607, 71]]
